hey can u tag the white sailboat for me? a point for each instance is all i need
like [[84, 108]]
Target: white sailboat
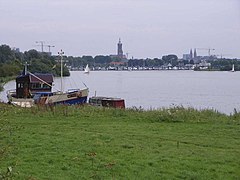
[[233, 70], [87, 69]]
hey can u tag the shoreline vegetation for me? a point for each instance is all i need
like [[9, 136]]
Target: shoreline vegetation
[[85, 142]]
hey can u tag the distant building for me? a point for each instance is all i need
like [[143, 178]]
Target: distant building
[[191, 56], [119, 49], [204, 65], [120, 54], [186, 57]]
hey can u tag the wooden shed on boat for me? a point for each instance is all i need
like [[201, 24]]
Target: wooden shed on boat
[[27, 85], [107, 102]]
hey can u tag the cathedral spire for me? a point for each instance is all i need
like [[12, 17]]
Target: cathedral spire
[[195, 53], [191, 54]]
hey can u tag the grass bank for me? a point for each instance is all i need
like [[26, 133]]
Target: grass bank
[[94, 143]]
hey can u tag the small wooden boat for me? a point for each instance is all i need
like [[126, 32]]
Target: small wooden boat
[[107, 102]]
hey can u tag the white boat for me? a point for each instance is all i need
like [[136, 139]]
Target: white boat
[[87, 69]]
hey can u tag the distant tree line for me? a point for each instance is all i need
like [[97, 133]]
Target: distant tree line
[[99, 60], [156, 62], [225, 64], [104, 61]]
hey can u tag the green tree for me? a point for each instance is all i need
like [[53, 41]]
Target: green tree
[[171, 58], [88, 60], [6, 54], [102, 59]]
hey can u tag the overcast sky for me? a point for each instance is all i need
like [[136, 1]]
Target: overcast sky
[[148, 28]]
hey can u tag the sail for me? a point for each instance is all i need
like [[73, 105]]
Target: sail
[[233, 68], [86, 70]]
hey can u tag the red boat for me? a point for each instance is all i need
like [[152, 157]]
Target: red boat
[[107, 102]]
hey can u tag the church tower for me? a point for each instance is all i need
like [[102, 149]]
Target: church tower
[[119, 49]]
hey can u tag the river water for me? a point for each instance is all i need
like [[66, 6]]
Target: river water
[[157, 89]]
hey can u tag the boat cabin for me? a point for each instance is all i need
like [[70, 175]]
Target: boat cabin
[[27, 85]]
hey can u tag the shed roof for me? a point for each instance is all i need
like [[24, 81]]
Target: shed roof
[[45, 77]]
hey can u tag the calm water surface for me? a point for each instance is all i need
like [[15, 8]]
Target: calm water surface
[[157, 89]]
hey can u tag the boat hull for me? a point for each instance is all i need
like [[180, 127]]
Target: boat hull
[[81, 100], [43, 98], [22, 102], [107, 102], [69, 98]]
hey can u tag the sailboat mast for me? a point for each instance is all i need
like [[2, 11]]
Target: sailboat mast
[[61, 56], [25, 68]]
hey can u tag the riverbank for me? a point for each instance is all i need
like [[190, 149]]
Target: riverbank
[[88, 142]]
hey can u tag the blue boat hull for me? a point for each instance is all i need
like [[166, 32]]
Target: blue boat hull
[[80, 100]]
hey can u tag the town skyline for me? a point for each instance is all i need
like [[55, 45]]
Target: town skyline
[[147, 29], [193, 53]]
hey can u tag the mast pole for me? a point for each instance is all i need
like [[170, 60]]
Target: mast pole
[[25, 68], [61, 56]]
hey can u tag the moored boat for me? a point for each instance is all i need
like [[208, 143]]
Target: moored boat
[[37, 89], [107, 102]]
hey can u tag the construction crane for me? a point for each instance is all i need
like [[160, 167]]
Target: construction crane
[[41, 44], [49, 48], [208, 49]]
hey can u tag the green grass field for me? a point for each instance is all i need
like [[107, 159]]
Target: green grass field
[[95, 143]]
